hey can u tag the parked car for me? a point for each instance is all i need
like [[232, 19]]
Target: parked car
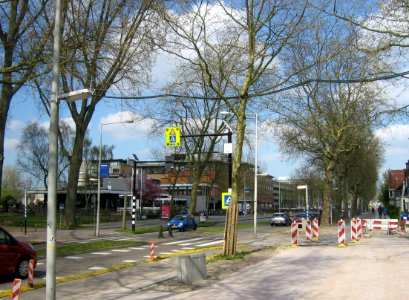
[[183, 222], [15, 255], [280, 219], [311, 216]]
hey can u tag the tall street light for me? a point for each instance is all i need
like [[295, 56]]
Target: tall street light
[[99, 171], [52, 155], [304, 187]]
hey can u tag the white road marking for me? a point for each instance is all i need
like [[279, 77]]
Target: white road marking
[[101, 253], [74, 257], [121, 250], [177, 250], [183, 241], [165, 253], [137, 248], [97, 268], [129, 261], [147, 256], [210, 243], [188, 248]]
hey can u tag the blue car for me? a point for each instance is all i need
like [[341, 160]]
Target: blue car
[[183, 222]]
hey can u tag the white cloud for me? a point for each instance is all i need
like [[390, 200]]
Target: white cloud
[[396, 142], [15, 125]]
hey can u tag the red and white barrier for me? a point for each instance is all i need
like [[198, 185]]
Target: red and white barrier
[[152, 252], [308, 233], [315, 230], [341, 234], [402, 227], [353, 230], [358, 229], [294, 233], [364, 225], [388, 225], [30, 278], [15, 295]]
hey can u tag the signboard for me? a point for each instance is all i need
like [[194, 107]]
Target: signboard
[[226, 197], [172, 136], [301, 187], [247, 189], [104, 170], [165, 211]]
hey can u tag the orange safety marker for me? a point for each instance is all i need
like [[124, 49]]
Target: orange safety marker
[[294, 232], [341, 234], [403, 225], [30, 278], [353, 230], [358, 229], [15, 295], [315, 230], [308, 234], [152, 252]]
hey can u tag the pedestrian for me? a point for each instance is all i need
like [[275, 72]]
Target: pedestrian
[[385, 212], [373, 210], [380, 209]]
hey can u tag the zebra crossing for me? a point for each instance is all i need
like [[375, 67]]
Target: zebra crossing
[[161, 249]]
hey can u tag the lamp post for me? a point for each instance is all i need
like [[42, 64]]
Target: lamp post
[[304, 187], [52, 155], [99, 171]]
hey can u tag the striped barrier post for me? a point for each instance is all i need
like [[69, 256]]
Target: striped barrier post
[[152, 252], [393, 226], [341, 234], [30, 278], [353, 230], [364, 225], [308, 233], [294, 232], [402, 226], [358, 229], [15, 295], [315, 230]]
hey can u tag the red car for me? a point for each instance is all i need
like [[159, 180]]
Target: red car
[[15, 255]]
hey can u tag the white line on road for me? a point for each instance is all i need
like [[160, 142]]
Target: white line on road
[[137, 248], [129, 261], [97, 268], [101, 253], [210, 243], [183, 241], [121, 250], [188, 248], [165, 253], [74, 257]]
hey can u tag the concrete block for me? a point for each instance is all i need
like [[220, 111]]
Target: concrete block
[[191, 268]]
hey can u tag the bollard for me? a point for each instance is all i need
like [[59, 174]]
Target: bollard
[[294, 232], [341, 234], [30, 278], [170, 231], [152, 252], [358, 229], [161, 232], [315, 230], [15, 295], [353, 230], [308, 234]]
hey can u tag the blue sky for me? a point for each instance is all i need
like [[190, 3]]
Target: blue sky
[[133, 138]]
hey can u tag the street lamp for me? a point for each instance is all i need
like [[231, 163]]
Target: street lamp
[[99, 171], [304, 187]]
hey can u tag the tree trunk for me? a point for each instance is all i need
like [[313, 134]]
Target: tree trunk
[[230, 232], [73, 176], [327, 201]]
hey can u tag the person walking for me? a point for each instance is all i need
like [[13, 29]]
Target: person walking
[[373, 210], [380, 209]]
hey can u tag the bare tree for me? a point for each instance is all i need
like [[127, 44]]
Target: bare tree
[[242, 43], [106, 45], [24, 32], [324, 121], [33, 149]]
